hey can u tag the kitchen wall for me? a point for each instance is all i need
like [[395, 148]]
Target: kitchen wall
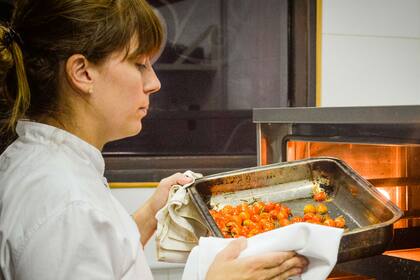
[[370, 52]]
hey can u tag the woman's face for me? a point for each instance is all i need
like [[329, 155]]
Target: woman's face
[[121, 95]]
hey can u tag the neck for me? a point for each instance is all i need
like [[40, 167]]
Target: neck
[[82, 128]]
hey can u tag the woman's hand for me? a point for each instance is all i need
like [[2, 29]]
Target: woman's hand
[[145, 215], [160, 196], [274, 265]]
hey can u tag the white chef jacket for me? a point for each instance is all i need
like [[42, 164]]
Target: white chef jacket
[[58, 218]]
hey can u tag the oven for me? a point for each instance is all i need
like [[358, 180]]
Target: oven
[[382, 144]]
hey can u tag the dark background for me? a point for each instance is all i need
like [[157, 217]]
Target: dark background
[[259, 54]]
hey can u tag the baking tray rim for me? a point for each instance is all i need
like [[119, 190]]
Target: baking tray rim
[[397, 213]]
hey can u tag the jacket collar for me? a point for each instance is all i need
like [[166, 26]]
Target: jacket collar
[[50, 135]]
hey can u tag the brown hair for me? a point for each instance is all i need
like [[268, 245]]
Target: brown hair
[[51, 31]]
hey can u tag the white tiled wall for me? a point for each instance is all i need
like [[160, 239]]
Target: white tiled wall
[[131, 199], [370, 52]]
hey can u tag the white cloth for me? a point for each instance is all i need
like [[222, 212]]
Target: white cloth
[[318, 243], [179, 225], [58, 218]]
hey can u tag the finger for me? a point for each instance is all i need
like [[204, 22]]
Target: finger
[[297, 261], [287, 274], [271, 259], [184, 180], [177, 178], [233, 249], [290, 264]]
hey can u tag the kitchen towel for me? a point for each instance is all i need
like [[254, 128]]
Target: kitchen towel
[[318, 243], [179, 225]]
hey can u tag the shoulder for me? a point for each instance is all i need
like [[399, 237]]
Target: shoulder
[[38, 168], [37, 184], [45, 180]]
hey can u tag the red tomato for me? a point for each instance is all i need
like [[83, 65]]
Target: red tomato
[[220, 223], [263, 221], [329, 222], [243, 207], [227, 209], [274, 213], [340, 222], [308, 216], [226, 217], [226, 235], [231, 224], [320, 196], [236, 231], [245, 230], [267, 225], [255, 218], [237, 220], [296, 219], [265, 215], [269, 206], [244, 216], [284, 222], [282, 215], [317, 219], [286, 210], [258, 207], [253, 232]]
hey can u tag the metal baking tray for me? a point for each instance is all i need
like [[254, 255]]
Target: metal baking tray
[[369, 215]]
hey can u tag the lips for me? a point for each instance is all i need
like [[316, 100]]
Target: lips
[[144, 110]]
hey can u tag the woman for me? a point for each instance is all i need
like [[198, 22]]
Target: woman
[[76, 75]]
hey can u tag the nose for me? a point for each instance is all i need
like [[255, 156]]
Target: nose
[[151, 82]]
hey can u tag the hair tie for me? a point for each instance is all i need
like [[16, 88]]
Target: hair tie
[[11, 36]]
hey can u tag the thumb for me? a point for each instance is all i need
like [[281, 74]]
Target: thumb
[[233, 249]]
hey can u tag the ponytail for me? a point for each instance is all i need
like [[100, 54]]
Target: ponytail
[[14, 93]]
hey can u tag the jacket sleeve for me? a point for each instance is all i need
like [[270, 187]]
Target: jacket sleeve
[[79, 242]]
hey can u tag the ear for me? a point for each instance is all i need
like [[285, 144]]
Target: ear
[[79, 74]]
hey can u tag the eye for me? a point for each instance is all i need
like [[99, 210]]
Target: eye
[[141, 66]]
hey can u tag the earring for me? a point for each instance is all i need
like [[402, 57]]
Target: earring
[[90, 90]]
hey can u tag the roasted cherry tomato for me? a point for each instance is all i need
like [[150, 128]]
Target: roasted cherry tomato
[[255, 218], [340, 222], [244, 215], [282, 215], [258, 207], [269, 206], [309, 208], [273, 213], [251, 219], [320, 196], [284, 222], [319, 219], [296, 219], [308, 216], [329, 222], [321, 208]]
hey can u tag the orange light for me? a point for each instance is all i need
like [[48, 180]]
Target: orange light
[[263, 150], [384, 193]]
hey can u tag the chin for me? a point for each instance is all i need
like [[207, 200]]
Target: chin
[[136, 129], [130, 131]]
